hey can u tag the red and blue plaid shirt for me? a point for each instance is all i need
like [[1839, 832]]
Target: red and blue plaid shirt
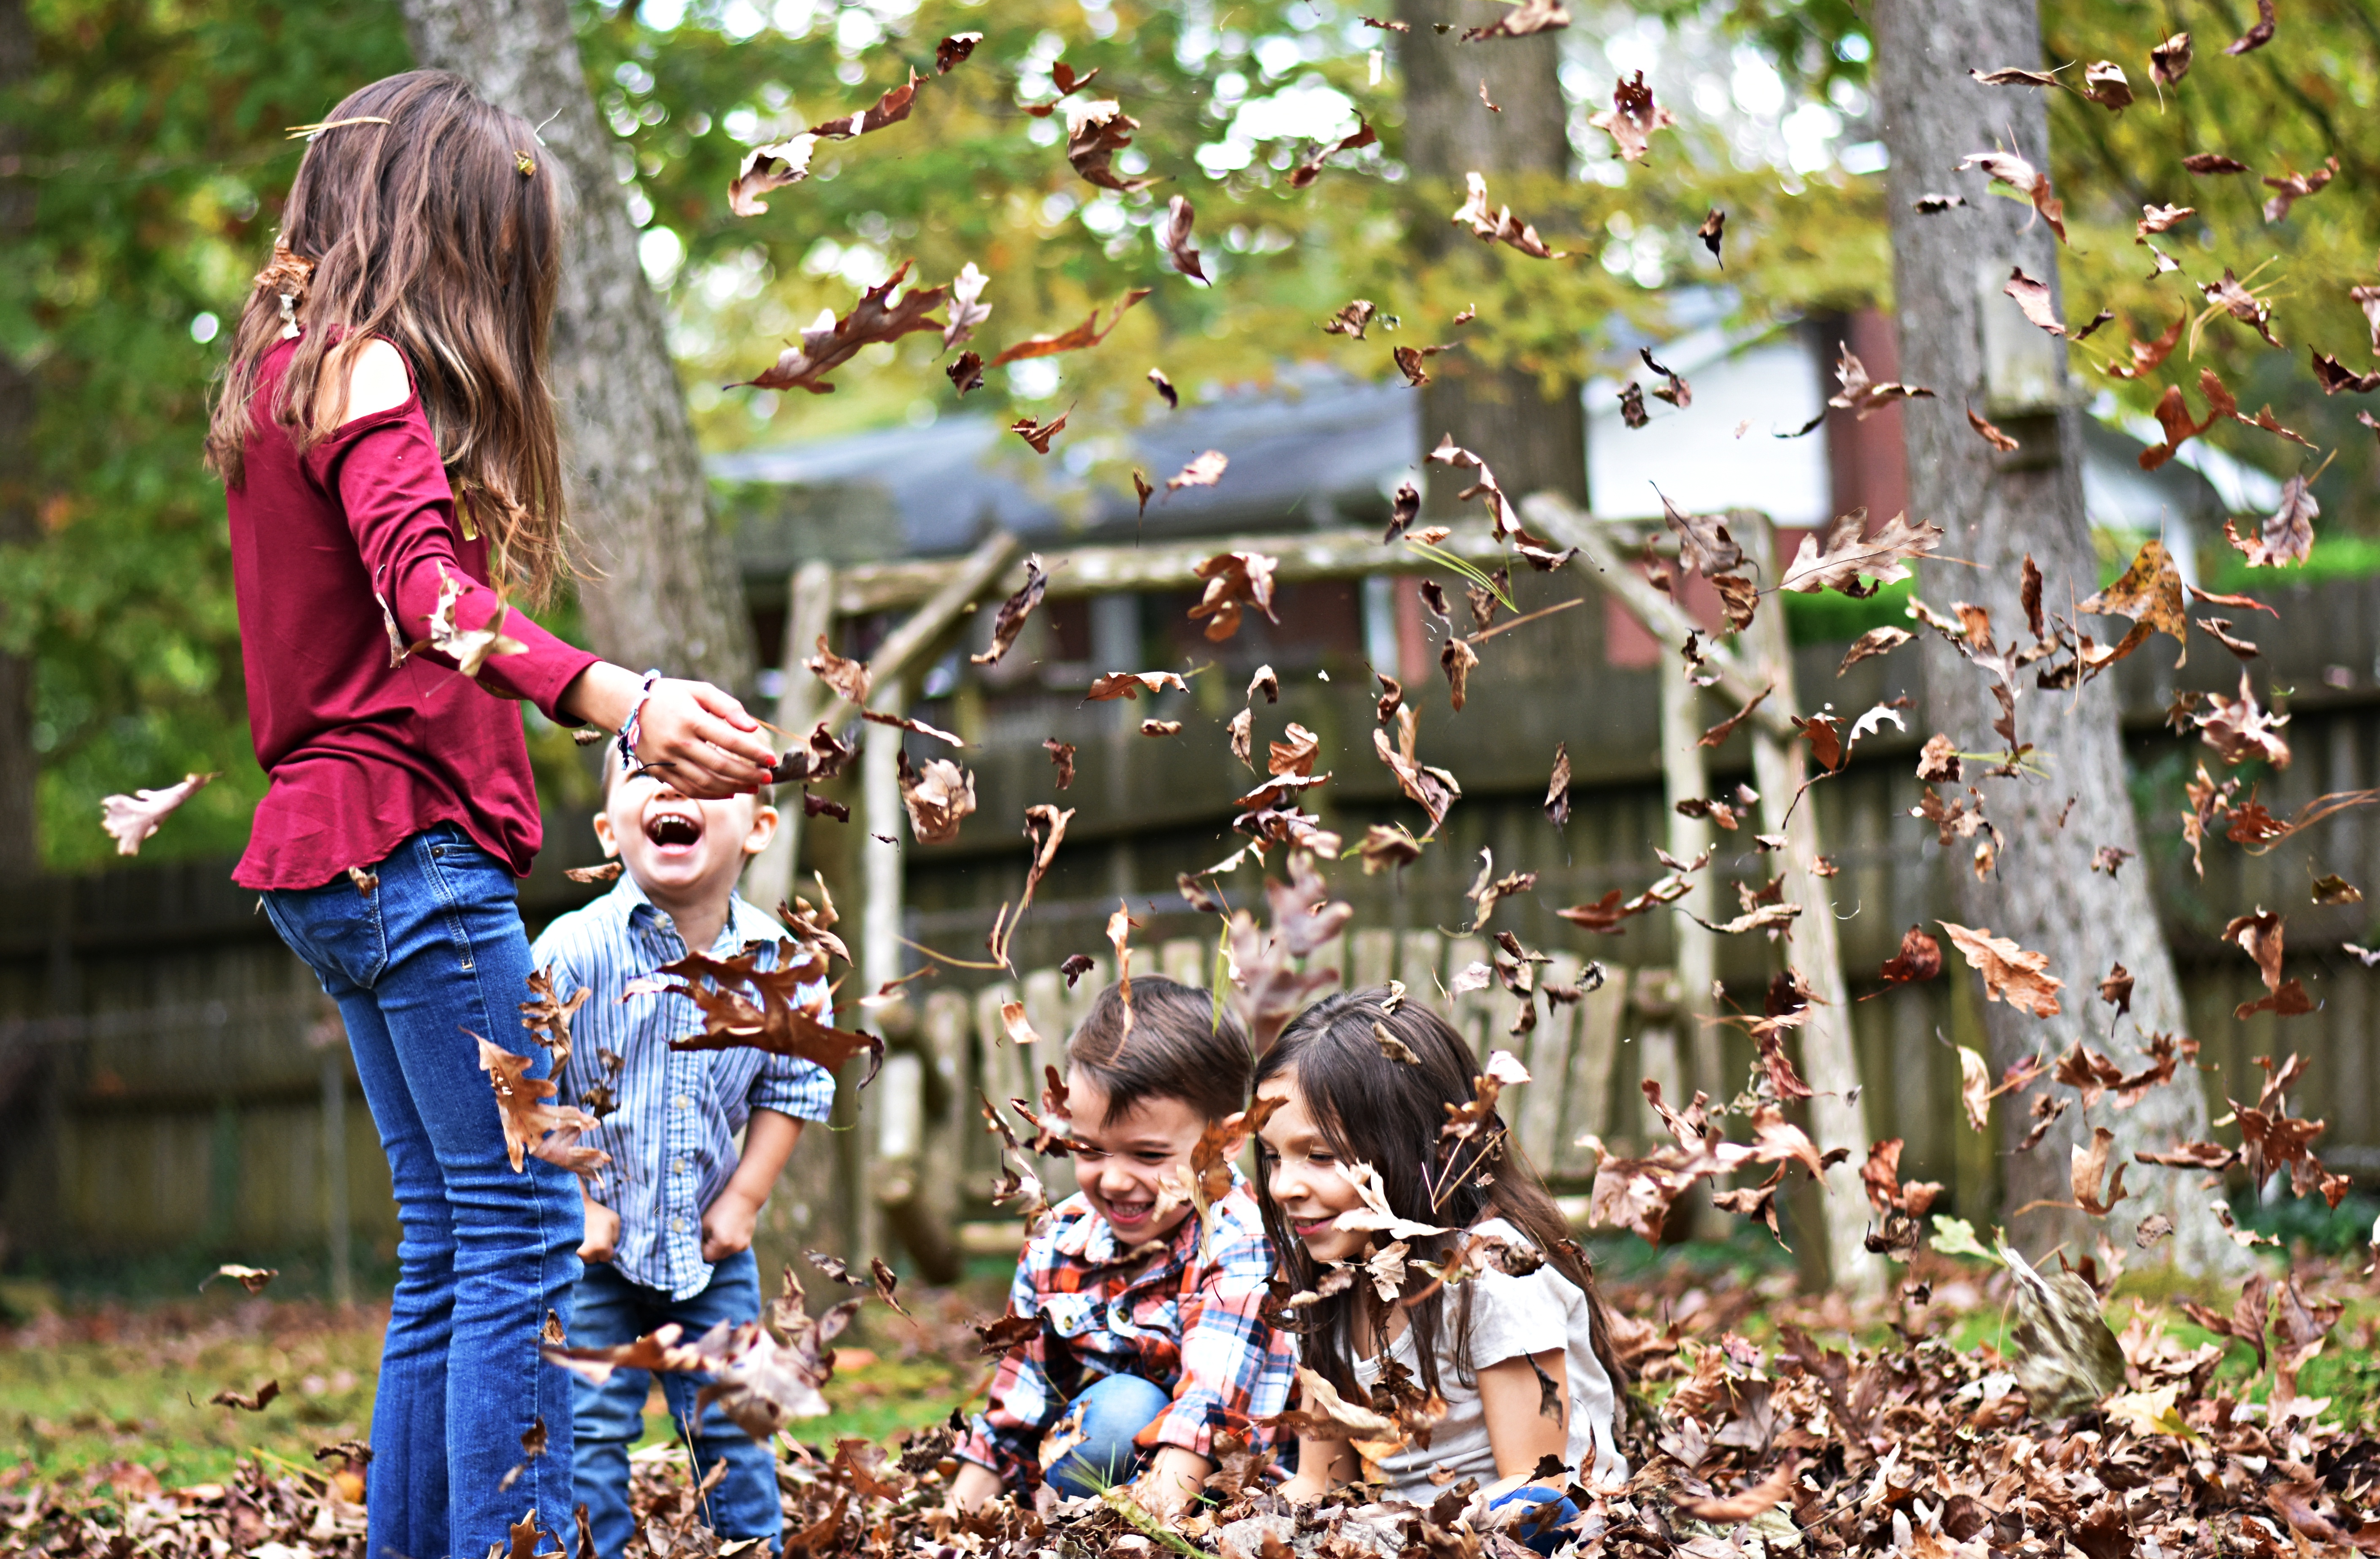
[[1190, 1326]]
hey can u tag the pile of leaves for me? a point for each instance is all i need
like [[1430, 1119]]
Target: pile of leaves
[[1761, 1421]]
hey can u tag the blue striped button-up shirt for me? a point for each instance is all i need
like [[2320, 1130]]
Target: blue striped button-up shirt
[[671, 1131]]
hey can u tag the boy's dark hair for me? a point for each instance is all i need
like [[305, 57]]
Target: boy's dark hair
[[1178, 1048], [1389, 1114]]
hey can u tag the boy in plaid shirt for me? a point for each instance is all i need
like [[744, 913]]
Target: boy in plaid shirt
[[1146, 1349]]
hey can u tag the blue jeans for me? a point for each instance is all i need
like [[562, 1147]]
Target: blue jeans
[[486, 1250], [611, 1310], [1540, 1531], [1107, 1414]]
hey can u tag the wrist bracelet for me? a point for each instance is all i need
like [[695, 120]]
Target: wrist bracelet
[[632, 728]]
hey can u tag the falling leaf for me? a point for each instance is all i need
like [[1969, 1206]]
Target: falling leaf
[[889, 109], [1726, 727], [965, 312], [768, 168], [2256, 37], [130, 819], [2007, 168], [1862, 396], [1038, 434], [2336, 376], [936, 797], [1306, 172], [1673, 389], [1524, 19], [1096, 131], [2011, 973], [2014, 76], [2242, 306], [1087, 335], [1351, 320], [965, 372], [1154, 726], [1857, 565], [1179, 214], [1434, 790], [2149, 355], [533, 1124], [1499, 512], [2335, 890], [2287, 533], [1014, 611], [1409, 360], [1165, 388], [1712, 233], [2034, 297], [1503, 227], [951, 51], [2205, 163], [1631, 404], [1204, 470], [1920, 958], [1233, 578], [2104, 83], [2292, 187], [1556, 802], [252, 1278], [1875, 641], [2241, 730], [255, 1402], [1061, 757], [1633, 117], [1143, 487], [2115, 990], [848, 679], [1132, 684], [2169, 61], [1990, 434], [831, 342], [1492, 106]]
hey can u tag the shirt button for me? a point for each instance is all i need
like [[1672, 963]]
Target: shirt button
[[678, 1225], [679, 1167], [681, 1101]]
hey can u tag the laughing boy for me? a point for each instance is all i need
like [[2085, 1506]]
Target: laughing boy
[[669, 1235]]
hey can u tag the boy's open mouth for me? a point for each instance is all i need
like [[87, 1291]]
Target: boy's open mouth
[[1130, 1212], [674, 830]]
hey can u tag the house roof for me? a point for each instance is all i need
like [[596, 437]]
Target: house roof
[[1318, 448]]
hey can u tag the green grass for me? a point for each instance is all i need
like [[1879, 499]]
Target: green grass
[[85, 1398]]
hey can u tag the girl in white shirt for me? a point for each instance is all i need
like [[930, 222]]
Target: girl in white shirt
[[1375, 1105]]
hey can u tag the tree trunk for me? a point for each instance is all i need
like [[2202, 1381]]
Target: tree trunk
[[663, 589], [19, 768], [1960, 337], [1536, 443]]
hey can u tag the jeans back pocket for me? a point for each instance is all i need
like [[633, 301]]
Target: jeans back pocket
[[336, 929]]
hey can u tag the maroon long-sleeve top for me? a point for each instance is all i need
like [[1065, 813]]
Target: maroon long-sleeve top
[[361, 753]]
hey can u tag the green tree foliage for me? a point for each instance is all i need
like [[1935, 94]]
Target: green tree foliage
[[155, 133]]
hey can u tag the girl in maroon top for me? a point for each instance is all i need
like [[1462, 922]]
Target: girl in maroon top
[[387, 438]]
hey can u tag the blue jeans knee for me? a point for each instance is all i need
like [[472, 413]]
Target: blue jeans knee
[[1106, 1417]]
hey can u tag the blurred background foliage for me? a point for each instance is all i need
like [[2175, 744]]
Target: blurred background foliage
[[153, 132]]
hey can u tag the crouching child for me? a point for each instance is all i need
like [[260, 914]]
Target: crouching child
[[669, 1233], [1151, 1341]]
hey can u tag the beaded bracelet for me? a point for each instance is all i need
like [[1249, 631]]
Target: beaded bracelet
[[631, 727]]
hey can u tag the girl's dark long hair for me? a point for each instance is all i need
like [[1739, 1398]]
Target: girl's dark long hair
[[439, 231], [1386, 1113]]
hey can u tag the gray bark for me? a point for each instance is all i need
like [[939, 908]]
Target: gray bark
[[19, 767], [1534, 442], [662, 589], [1970, 344]]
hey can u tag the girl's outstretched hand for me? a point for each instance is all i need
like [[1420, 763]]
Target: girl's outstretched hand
[[702, 740], [698, 736]]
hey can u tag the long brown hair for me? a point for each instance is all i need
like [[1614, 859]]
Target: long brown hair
[[1386, 1113], [428, 217]]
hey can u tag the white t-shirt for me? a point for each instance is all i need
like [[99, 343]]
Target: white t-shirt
[[1511, 1317]]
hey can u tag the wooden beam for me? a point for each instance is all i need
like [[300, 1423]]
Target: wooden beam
[[1101, 570], [1601, 560], [956, 584], [809, 611]]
